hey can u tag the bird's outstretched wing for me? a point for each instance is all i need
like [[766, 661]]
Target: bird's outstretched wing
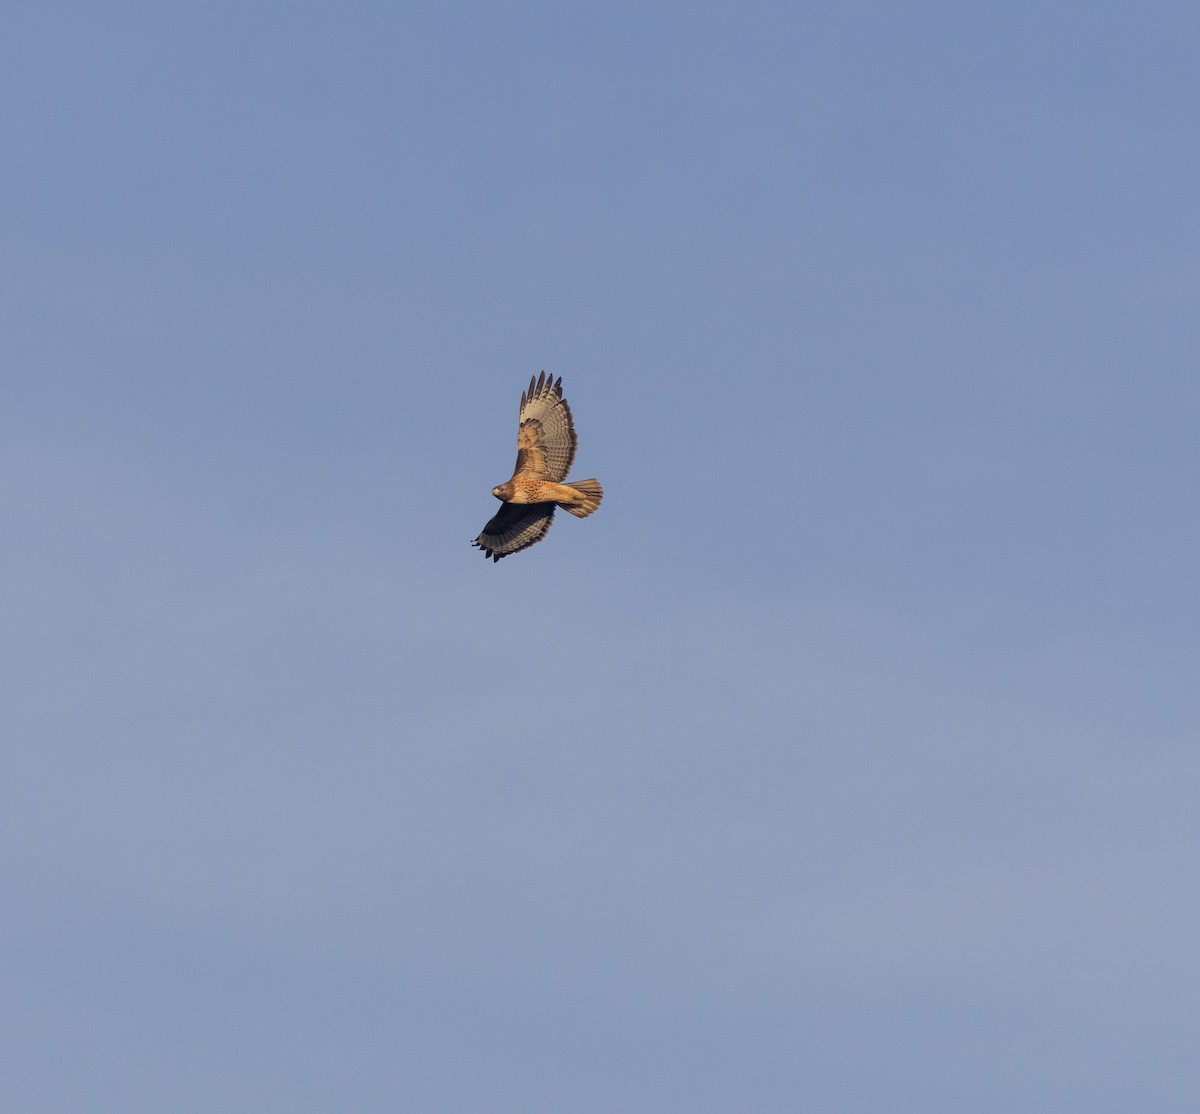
[[546, 436], [515, 527]]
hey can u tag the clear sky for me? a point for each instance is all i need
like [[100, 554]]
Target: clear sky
[[845, 760]]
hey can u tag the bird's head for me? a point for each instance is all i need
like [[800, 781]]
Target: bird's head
[[498, 492]]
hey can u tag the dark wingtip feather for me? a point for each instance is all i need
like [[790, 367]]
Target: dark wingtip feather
[[487, 552]]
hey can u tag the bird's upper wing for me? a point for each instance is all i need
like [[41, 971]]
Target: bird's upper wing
[[515, 527], [546, 437]]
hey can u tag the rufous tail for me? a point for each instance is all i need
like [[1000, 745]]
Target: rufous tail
[[592, 493]]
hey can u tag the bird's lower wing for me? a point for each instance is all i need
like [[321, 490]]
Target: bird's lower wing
[[516, 527]]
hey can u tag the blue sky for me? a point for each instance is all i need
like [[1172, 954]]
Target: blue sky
[[843, 761]]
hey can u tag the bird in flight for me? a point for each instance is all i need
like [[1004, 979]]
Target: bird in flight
[[545, 449]]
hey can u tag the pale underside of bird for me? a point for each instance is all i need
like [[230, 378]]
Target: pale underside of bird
[[546, 444]]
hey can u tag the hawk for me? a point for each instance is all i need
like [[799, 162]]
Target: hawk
[[545, 449]]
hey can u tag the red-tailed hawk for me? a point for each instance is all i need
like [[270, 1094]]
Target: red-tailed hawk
[[545, 449]]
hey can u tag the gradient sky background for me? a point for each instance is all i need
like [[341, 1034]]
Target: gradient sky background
[[845, 760]]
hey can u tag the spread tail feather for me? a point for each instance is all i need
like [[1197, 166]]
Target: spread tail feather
[[591, 493]]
